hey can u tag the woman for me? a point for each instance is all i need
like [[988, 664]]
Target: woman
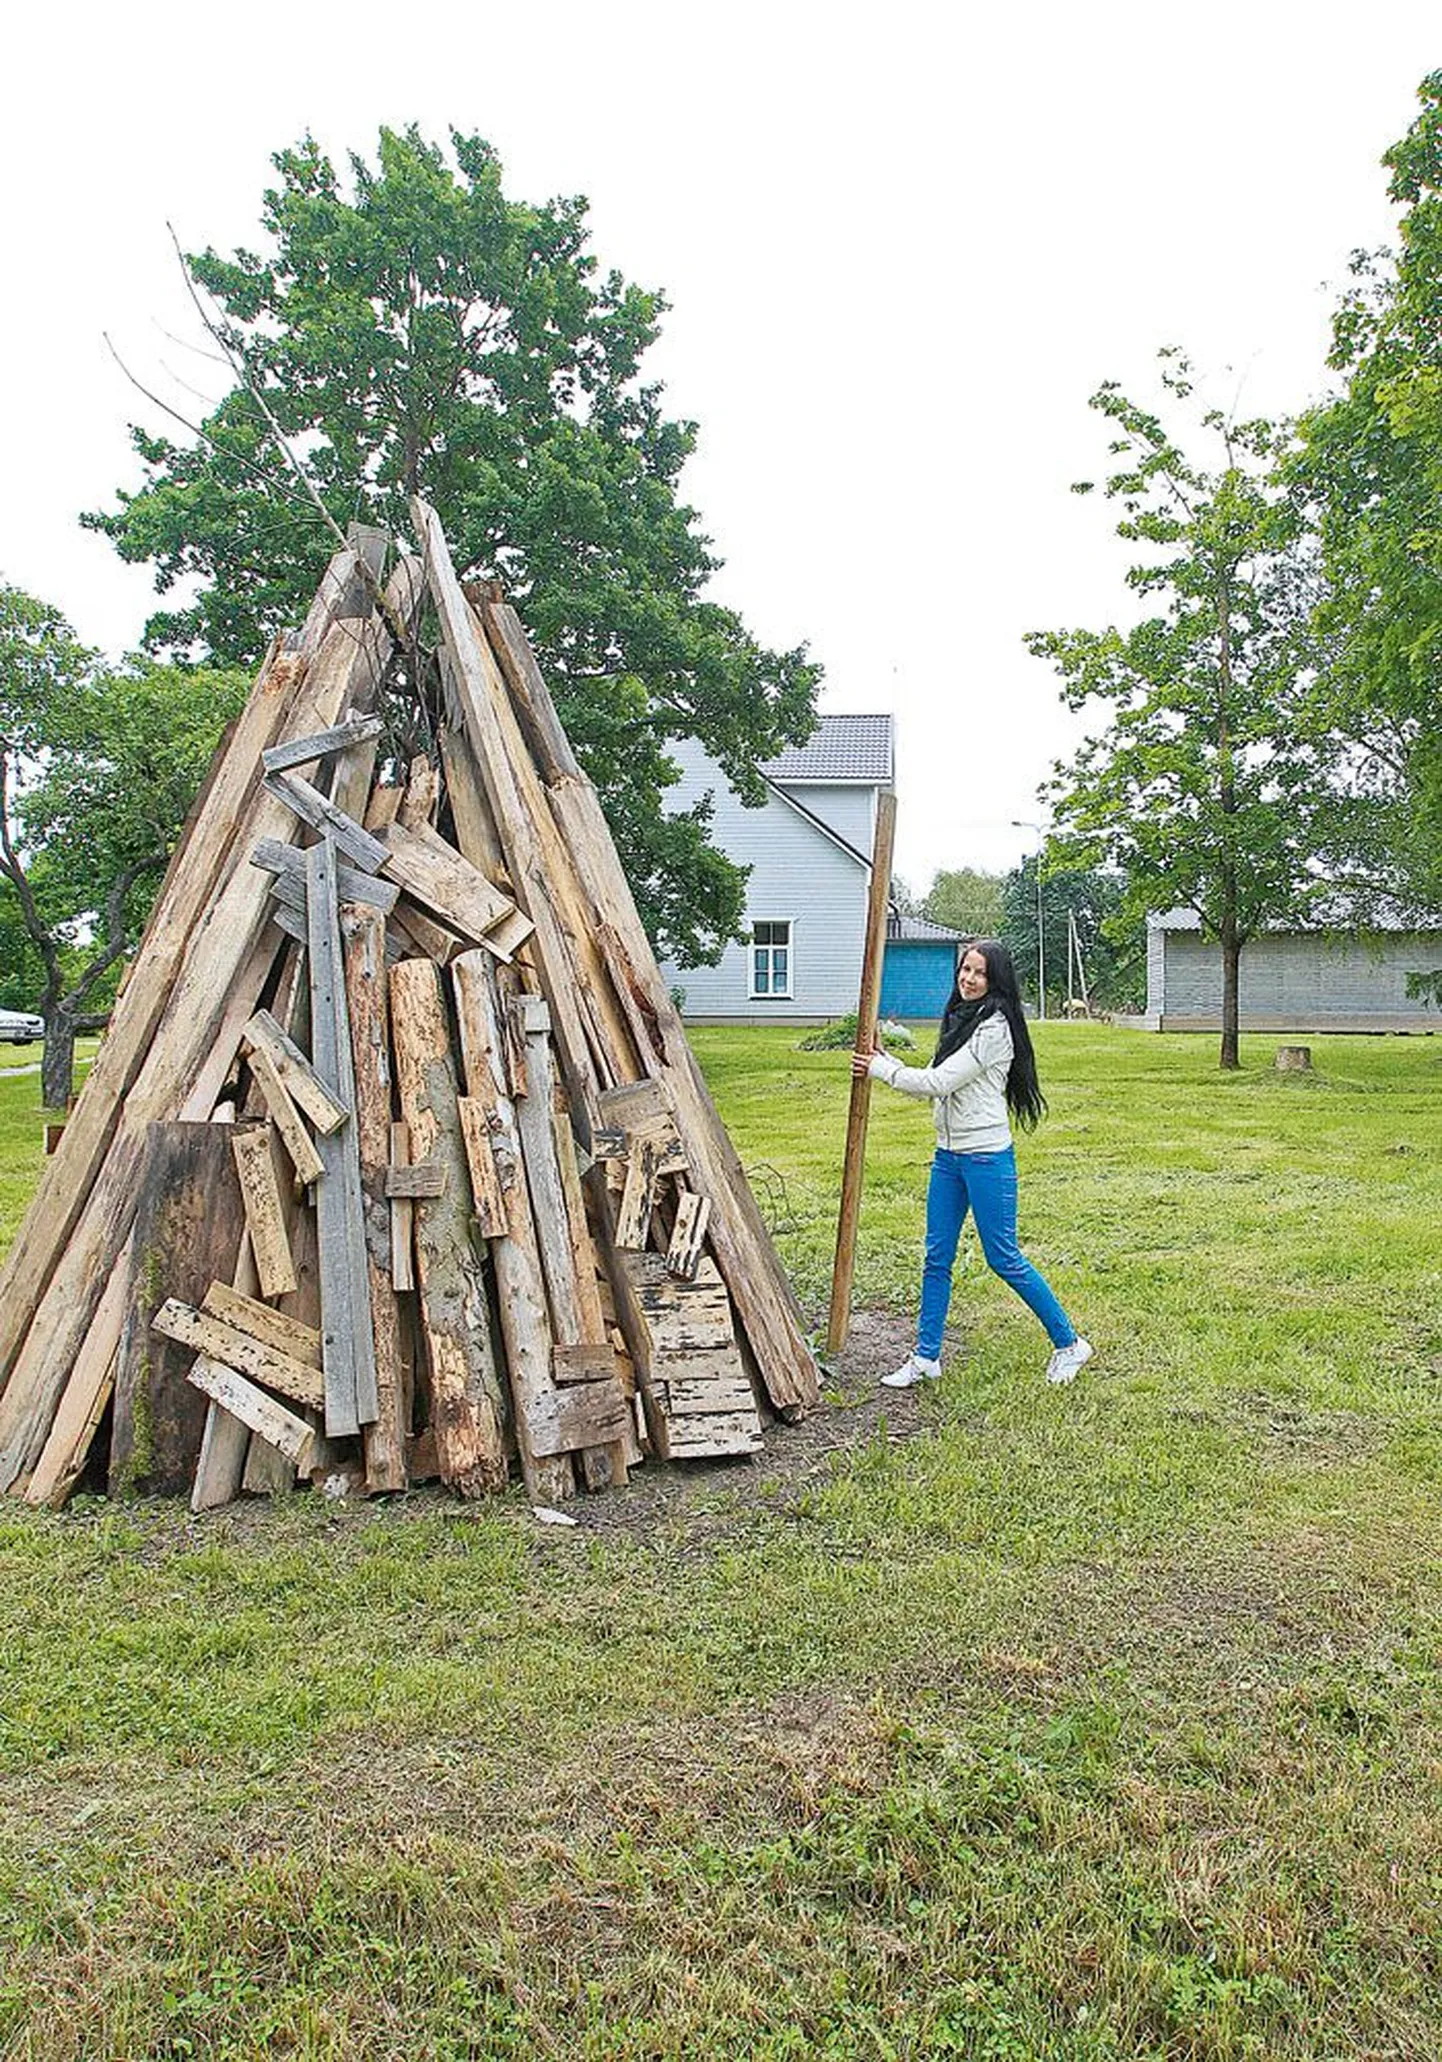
[[984, 1066]]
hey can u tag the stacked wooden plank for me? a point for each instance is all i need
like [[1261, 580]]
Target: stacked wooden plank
[[395, 1163]]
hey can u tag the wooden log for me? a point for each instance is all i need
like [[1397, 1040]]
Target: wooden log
[[286, 1118], [421, 794], [492, 1215], [322, 815], [764, 1300], [466, 1401], [479, 690], [302, 1083], [189, 1226], [211, 1336], [363, 933], [853, 1166], [350, 1365], [265, 1220], [196, 1004], [435, 874], [226, 1386], [520, 1283]]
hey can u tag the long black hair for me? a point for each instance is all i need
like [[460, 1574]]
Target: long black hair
[[961, 1018]]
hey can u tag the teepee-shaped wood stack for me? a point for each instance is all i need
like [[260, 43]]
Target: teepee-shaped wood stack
[[394, 1162]]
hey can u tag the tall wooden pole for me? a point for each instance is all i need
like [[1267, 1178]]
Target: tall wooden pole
[[866, 1015]]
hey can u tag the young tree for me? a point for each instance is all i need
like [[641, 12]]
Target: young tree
[[97, 771], [423, 332], [1210, 786], [967, 899]]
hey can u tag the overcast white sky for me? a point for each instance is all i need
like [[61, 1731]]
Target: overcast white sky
[[902, 247]]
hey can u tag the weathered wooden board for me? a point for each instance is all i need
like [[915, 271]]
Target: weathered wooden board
[[582, 1415], [304, 1086], [436, 875], [467, 1407], [304, 751], [226, 1386], [209, 1335], [287, 862], [367, 996], [260, 1321], [264, 1215], [189, 1223], [492, 1215], [286, 1118], [65, 1453], [403, 1216], [688, 1235], [350, 1362], [316, 809], [426, 1178]]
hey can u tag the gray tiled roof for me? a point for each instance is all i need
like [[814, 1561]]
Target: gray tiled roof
[[919, 927], [840, 748]]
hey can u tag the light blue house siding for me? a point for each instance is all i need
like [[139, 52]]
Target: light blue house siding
[[916, 977], [1296, 981], [805, 886]]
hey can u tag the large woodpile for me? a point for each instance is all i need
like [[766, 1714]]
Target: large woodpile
[[394, 1163]]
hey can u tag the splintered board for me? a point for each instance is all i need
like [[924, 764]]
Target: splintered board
[[698, 1396]]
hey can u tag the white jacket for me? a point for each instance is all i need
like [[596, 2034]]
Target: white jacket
[[967, 1091]]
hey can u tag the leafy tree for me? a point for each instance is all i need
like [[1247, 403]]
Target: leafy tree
[[423, 332], [1211, 784], [1112, 937], [967, 899], [1371, 459], [97, 771]]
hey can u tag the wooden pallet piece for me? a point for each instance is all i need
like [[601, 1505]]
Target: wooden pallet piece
[[265, 1324], [295, 1379], [290, 1128], [688, 1235], [467, 1409], [189, 1227], [363, 941], [697, 1394], [321, 1104], [264, 1215], [242, 1400]]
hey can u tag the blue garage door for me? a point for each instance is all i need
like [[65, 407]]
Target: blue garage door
[[916, 977]]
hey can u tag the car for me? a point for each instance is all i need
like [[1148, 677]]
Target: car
[[20, 1027]]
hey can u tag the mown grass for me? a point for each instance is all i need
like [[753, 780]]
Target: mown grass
[[1079, 1725]]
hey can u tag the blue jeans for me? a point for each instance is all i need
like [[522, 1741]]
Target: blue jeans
[[984, 1183]]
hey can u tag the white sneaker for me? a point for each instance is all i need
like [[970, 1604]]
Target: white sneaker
[[913, 1369], [1068, 1361]]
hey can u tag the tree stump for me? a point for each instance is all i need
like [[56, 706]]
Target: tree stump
[[1294, 1059]]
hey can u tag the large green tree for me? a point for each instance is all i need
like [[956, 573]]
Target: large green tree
[[98, 767], [421, 332], [1371, 460], [967, 898], [1211, 784]]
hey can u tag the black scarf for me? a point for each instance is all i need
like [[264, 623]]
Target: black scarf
[[959, 1021]]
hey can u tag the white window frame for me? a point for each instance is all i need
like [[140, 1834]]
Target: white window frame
[[772, 945]]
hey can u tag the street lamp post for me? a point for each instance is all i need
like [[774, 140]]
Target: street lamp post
[[1020, 824]]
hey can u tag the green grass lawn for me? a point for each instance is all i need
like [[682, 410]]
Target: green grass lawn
[[1089, 1724]]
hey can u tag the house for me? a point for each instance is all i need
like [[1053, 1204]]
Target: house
[[1293, 979], [809, 849]]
